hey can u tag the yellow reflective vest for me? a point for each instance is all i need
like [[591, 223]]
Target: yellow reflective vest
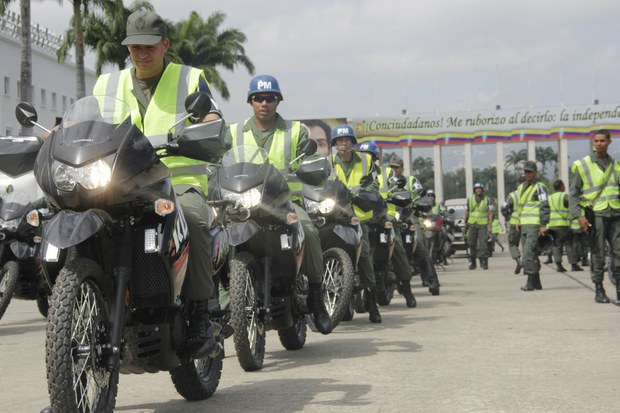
[[283, 148], [383, 189], [600, 189], [529, 208], [514, 218], [360, 169], [559, 213], [478, 211], [177, 81]]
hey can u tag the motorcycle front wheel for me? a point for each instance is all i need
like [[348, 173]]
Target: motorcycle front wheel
[[198, 379], [9, 276], [294, 337], [338, 282], [250, 335], [77, 327]]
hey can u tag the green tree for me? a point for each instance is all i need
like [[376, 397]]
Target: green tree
[[454, 184], [201, 44], [75, 37], [515, 159], [422, 169], [546, 156]]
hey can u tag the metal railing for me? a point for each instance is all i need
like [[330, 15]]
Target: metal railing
[[41, 38]]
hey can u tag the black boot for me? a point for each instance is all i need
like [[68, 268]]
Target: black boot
[[484, 263], [575, 267], [472, 265], [617, 301], [584, 261], [316, 305], [559, 267], [599, 293], [549, 260], [537, 284], [404, 287], [519, 266], [371, 305], [433, 281], [200, 339], [529, 286]]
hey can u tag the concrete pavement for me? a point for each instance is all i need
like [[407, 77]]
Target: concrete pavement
[[483, 345]]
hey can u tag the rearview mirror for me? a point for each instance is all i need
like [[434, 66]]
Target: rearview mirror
[[307, 147], [198, 104], [26, 114]]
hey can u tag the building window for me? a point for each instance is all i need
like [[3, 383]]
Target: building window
[[43, 97], [53, 100], [7, 85], [64, 103]]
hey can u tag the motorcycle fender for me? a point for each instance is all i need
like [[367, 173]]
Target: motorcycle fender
[[69, 228], [22, 251], [241, 232], [348, 234]]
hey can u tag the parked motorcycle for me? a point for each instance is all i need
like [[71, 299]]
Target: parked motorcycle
[[329, 207], [116, 305], [266, 289], [21, 274]]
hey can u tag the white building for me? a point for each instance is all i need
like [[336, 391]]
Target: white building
[[54, 83]]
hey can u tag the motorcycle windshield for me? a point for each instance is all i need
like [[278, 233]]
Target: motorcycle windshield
[[14, 205], [96, 118], [245, 164]]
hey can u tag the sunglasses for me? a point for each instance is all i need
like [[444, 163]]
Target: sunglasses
[[263, 98]]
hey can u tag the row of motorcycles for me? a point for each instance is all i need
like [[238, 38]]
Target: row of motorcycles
[[105, 257]]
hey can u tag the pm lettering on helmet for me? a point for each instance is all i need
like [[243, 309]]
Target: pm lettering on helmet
[[342, 131], [263, 85]]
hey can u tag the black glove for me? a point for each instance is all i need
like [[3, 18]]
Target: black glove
[[365, 181]]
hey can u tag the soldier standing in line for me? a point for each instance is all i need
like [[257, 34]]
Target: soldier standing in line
[[594, 202], [533, 217]]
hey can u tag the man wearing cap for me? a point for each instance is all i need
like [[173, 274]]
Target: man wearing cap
[[533, 216], [282, 140], [358, 172], [154, 78], [594, 188], [478, 226], [421, 256], [514, 236]]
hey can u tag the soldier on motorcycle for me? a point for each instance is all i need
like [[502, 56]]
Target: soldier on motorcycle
[[357, 171], [281, 139], [401, 265], [421, 254]]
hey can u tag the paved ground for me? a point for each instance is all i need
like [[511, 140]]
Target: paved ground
[[481, 346]]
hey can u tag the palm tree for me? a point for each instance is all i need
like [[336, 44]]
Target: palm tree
[[75, 37], [515, 158], [545, 156], [201, 44]]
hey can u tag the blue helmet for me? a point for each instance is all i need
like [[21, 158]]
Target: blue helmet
[[264, 84], [371, 148], [343, 131]]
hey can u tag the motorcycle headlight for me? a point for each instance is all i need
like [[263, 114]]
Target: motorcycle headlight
[[428, 224], [92, 176], [397, 216], [10, 225], [248, 199], [324, 207]]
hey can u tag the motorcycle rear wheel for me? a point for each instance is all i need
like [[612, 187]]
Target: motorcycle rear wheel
[[338, 282], [198, 379], [9, 276], [250, 334], [77, 325]]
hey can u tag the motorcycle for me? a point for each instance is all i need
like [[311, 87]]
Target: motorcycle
[[21, 273], [266, 288], [116, 305], [438, 238], [329, 207]]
